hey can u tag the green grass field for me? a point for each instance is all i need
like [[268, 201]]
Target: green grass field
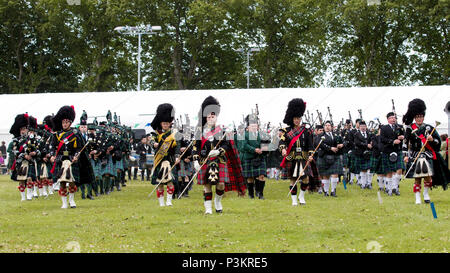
[[129, 221]]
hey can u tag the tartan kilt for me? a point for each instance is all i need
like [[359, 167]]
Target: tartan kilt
[[185, 169], [360, 164], [223, 174], [33, 173], [119, 165], [75, 172], [325, 169], [109, 168], [288, 170], [125, 163], [345, 160], [376, 165], [96, 166], [249, 170], [350, 162], [387, 166]]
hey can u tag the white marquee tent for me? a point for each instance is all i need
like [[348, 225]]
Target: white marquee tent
[[136, 109]]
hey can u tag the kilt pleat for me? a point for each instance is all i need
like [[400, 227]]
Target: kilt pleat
[[329, 169], [249, 170]]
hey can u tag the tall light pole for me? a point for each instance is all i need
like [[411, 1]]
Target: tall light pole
[[249, 51], [138, 30]]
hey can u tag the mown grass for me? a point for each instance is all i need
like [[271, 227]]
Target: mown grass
[[129, 221]]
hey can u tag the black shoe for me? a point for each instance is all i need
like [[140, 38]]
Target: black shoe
[[124, 185], [397, 192], [90, 197], [83, 197], [261, 196], [427, 201], [325, 194], [73, 207], [369, 187], [219, 211], [333, 194]]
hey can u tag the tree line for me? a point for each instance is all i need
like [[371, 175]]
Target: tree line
[[62, 46]]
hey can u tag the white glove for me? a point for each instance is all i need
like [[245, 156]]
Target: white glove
[[214, 153], [196, 165]]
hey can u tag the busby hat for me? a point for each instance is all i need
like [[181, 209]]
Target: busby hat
[[48, 123], [65, 112], [32, 123], [209, 105], [296, 108], [164, 113], [415, 107], [19, 122]]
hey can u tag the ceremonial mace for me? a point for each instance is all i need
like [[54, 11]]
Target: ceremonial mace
[[306, 165], [196, 173], [422, 149]]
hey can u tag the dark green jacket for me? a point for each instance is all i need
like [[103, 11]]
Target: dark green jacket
[[248, 146]]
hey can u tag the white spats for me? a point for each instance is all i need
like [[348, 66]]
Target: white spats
[[294, 200], [22, 195], [64, 202], [301, 197], [72, 200], [29, 194], [334, 182], [218, 203], [326, 185], [208, 207], [418, 200], [169, 200], [426, 196], [161, 201]]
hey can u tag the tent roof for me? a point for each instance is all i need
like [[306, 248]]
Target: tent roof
[[136, 109]]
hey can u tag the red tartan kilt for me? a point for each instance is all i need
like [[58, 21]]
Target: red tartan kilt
[[223, 174]]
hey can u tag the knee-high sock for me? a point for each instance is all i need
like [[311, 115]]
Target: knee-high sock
[[389, 183], [363, 178], [369, 178], [380, 181], [334, 181], [352, 177], [326, 185]]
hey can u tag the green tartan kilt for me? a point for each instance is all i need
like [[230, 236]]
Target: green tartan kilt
[[33, 173], [327, 169], [75, 172], [125, 163], [375, 165], [249, 170], [360, 164], [119, 165], [96, 166], [350, 162], [185, 169], [109, 168], [288, 171], [387, 166]]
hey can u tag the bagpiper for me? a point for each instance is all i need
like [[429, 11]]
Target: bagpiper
[[361, 154], [220, 162], [253, 162], [329, 159], [71, 166], [46, 130], [296, 146], [19, 173], [421, 146], [166, 152], [392, 163]]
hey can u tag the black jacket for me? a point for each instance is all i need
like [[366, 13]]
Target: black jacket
[[361, 143], [387, 137]]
